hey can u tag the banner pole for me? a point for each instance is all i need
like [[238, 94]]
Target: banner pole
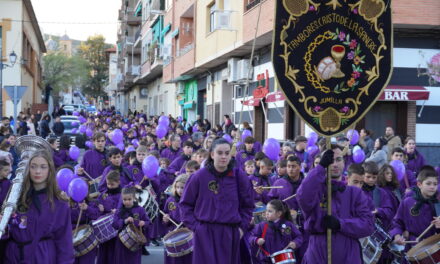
[[329, 207]]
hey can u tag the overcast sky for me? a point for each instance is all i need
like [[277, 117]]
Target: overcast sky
[[57, 17]]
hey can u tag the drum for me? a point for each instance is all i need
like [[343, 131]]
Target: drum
[[84, 241], [371, 250], [397, 250], [178, 242], [283, 257], [425, 252], [132, 237], [93, 188], [103, 228], [259, 214], [147, 199], [381, 236]]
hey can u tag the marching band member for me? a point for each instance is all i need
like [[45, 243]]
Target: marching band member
[[351, 217], [94, 160], [217, 205], [181, 160], [41, 229], [173, 151], [280, 232], [115, 158], [262, 178], [5, 184]]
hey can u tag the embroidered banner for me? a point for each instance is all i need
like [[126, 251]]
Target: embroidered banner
[[332, 58]]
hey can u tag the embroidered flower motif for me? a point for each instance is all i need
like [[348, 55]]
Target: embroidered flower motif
[[350, 55], [345, 109], [341, 36], [355, 74], [355, 11], [353, 44], [351, 82], [317, 108], [312, 8], [357, 60]]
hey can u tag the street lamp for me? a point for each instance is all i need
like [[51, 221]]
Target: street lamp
[[12, 60]]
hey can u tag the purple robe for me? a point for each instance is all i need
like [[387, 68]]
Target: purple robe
[[409, 178], [184, 138], [382, 202], [165, 179], [349, 205], [64, 155], [51, 231], [94, 162], [278, 235], [122, 253], [214, 207], [259, 180], [170, 153], [242, 156], [172, 208], [178, 163], [57, 160], [5, 184], [415, 161], [92, 213], [125, 177], [257, 147], [289, 188], [414, 224]]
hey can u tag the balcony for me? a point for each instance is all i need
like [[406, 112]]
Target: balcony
[[132, 19]]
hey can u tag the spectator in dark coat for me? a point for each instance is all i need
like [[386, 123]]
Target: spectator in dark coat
[[227, 124], [44, 126], [58, 127]]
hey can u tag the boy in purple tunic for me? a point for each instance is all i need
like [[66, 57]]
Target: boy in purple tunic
[[89, 214], [300, 152], [275, 234], [382, 206], [183, 158], [129, 213], [173, 151], [351, 217], [107, 203], [115, 158], [409, 180], [262, 178], [5, 170], [246, 154], [418, 211], [94, 160], [40, 230], [217, 205], [172, 211]]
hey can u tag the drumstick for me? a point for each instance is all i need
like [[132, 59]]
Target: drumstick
[[171, 220], [77, 223], [271, 187], [181, 223], [142, 181], [88, 175], [290, 197], [424, 232], [408, 242]]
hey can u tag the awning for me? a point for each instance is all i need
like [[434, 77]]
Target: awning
[[404, 93], [275, 97], [251, 102], [188, 105], [166, 29]]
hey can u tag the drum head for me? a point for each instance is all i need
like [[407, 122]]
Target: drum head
[[102, 219], [259, 209], [83, 231], [178, 237], [422, 249]]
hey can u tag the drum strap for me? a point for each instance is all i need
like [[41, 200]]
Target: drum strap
[[263, 235]]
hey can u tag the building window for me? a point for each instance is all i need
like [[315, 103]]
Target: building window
[[251, 3], [212, 23]]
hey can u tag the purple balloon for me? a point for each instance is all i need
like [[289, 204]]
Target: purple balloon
[[164, 120], [399, 168], [161, 131], [228, 138], [82, 129], [89, 144], [195, 128], [150, 165], [117, 136], [75, 113], [74, 152], [121, 146], [74, 130], [75, 123], [125, 128], [64, 176], [108, 119], [135, 142], [353, 136], [129, 149], [82, 119], [134, 133], [246, 133], [78, 189], [358, 156], [271, 148], [312, 139], [312, 150], [89, 132], [179, 119], [238, 144]]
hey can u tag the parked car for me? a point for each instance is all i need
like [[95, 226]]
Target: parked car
[[74, 107], [91, 109], [70, 122]]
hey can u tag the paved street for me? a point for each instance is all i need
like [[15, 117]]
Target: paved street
[[155, 257]]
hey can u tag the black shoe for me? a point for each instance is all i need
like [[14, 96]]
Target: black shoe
[[145, 251], [154, 242]]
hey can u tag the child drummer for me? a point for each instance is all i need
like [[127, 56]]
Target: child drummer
[[418, 212], [172, 213], [129, 213], [275, 234]]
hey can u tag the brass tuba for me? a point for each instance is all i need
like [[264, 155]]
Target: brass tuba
[[25, 146]]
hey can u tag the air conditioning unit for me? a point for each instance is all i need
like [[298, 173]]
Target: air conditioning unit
[[232, 70], [166, 51], [223, 20], [243, 70], [136, 70]]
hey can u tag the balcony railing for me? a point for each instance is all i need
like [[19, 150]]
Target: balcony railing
[[252, 4], [185, 50]]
